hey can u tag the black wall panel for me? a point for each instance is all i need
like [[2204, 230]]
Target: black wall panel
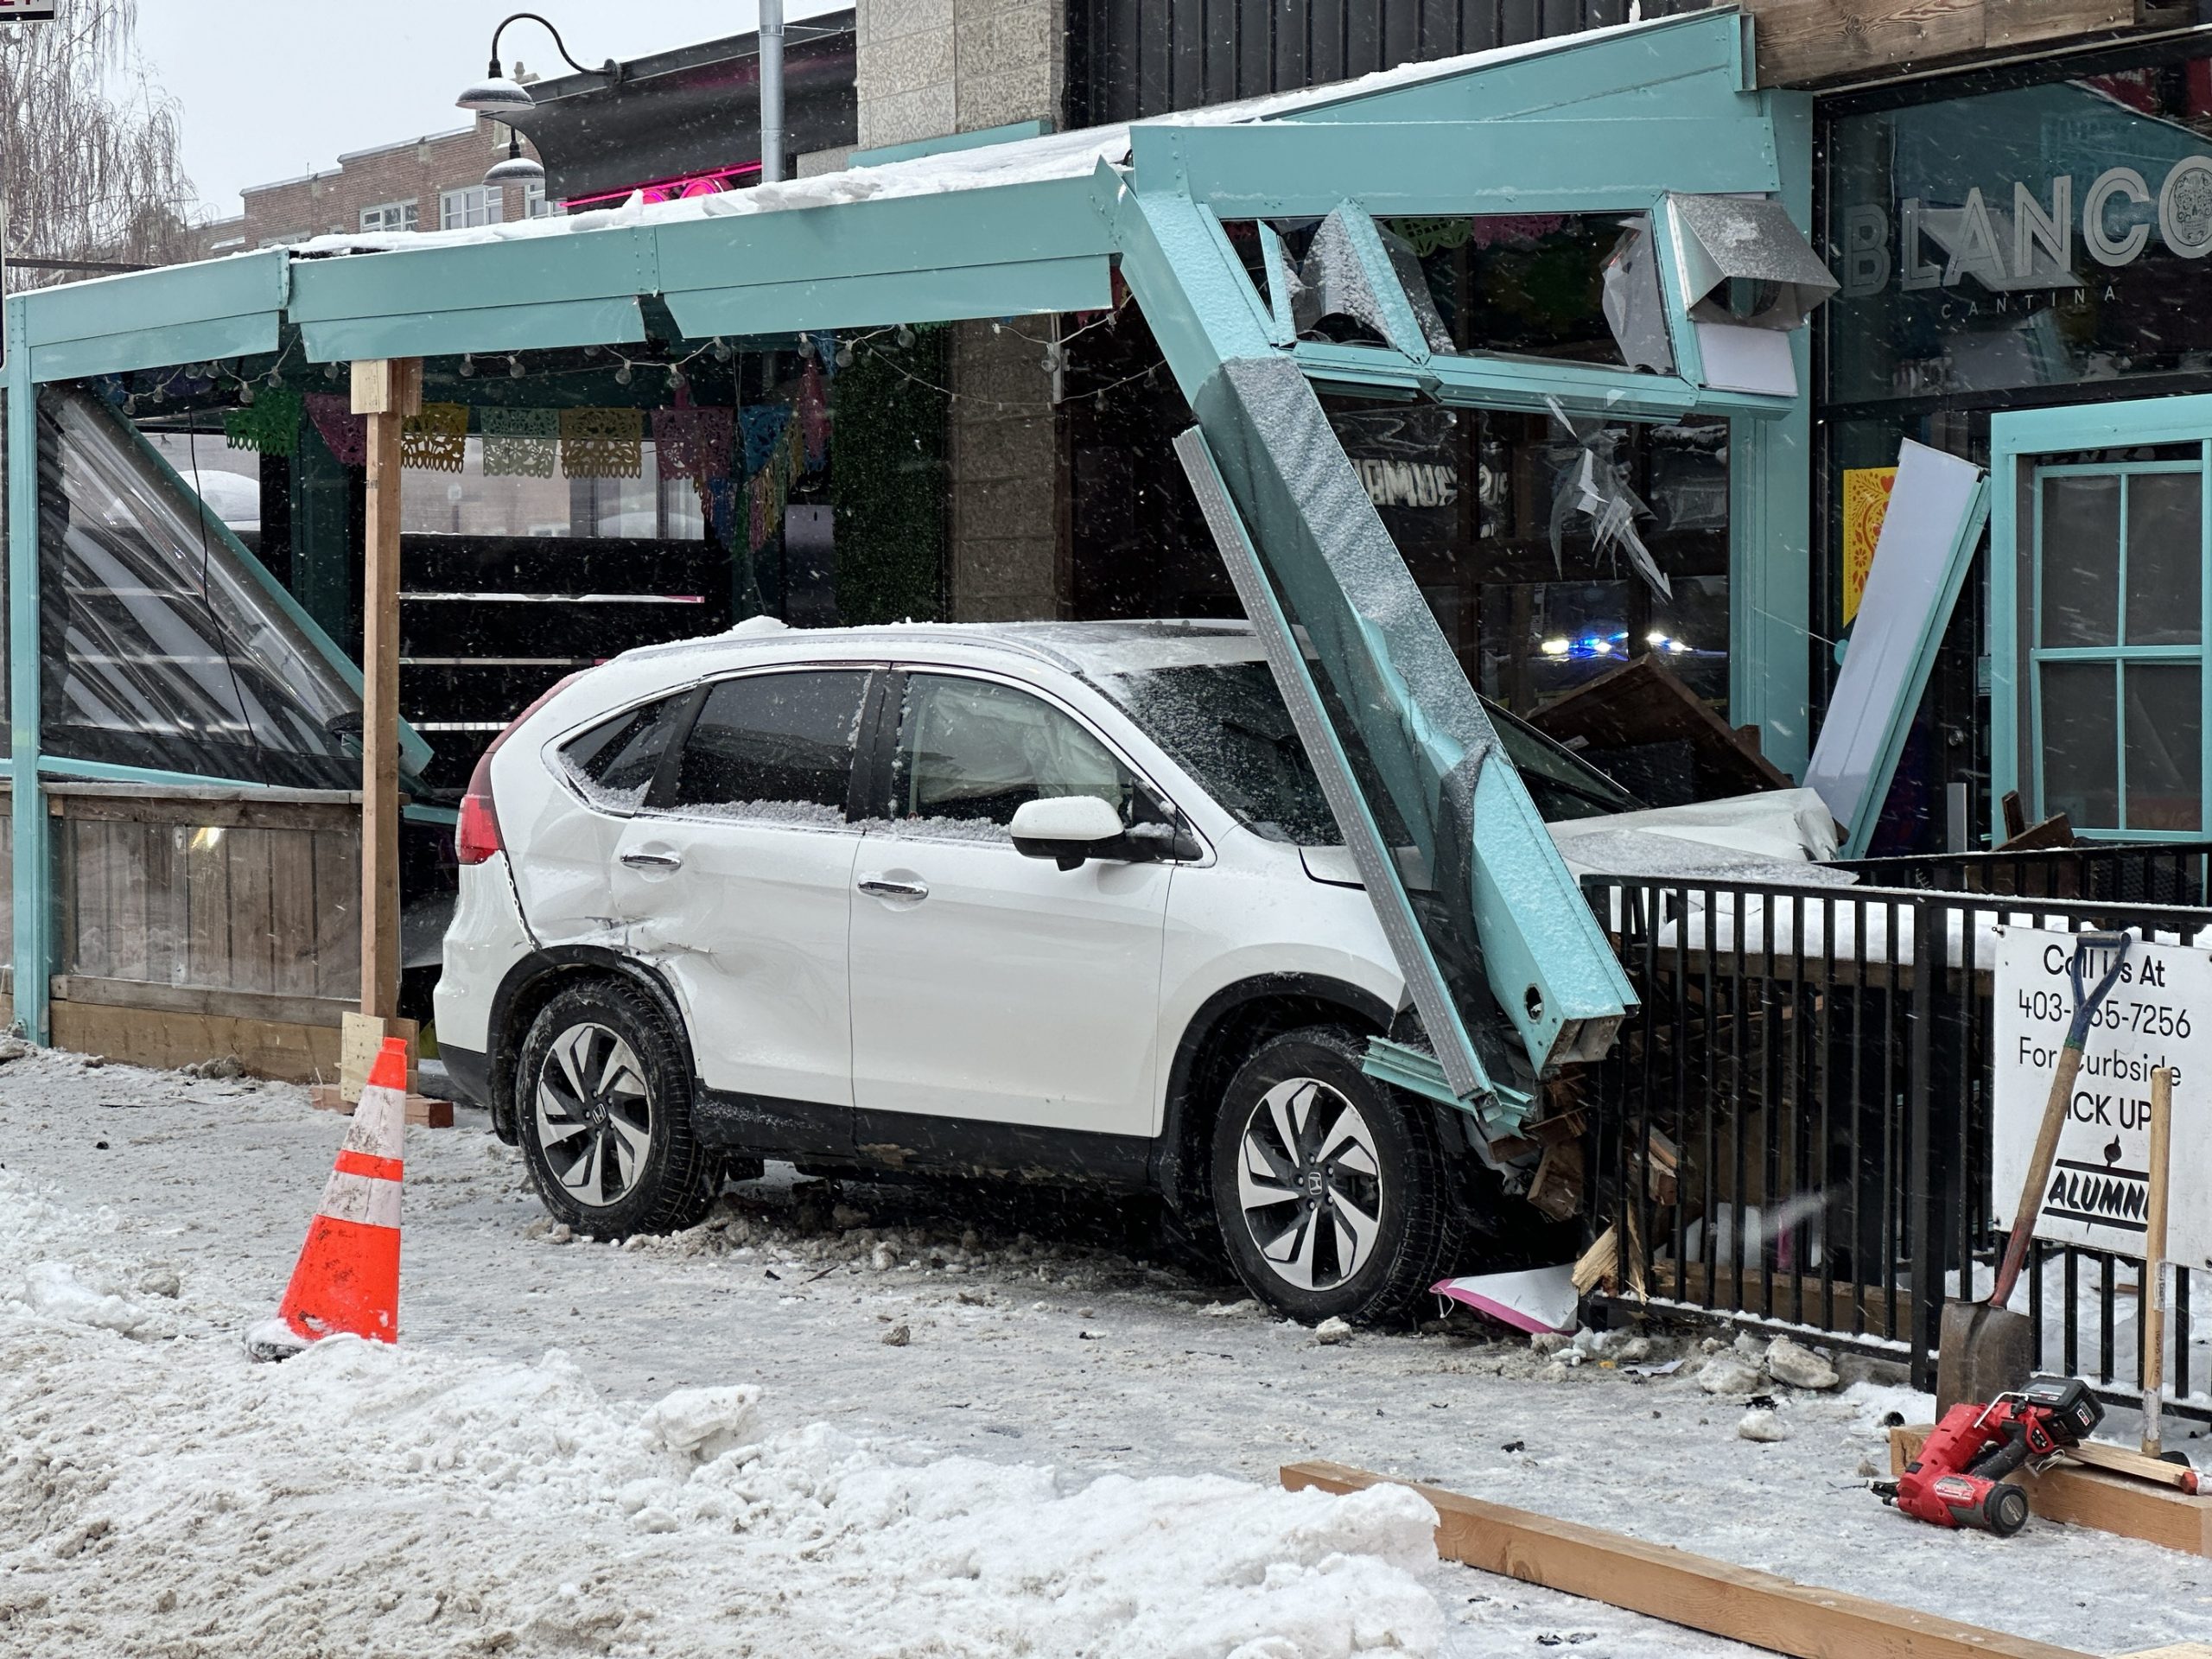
[[1133, 57]]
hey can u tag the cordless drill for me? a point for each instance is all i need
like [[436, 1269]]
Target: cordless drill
[[1958, 1479]]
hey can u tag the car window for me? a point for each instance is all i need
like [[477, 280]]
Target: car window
[[972, 751], [774, 748], [614, 763], [1227, 724]]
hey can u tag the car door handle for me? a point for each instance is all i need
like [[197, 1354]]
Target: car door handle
[[645, 860], [877, 887]]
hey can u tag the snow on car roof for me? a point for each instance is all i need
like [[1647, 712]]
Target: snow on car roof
[[1089, 649]]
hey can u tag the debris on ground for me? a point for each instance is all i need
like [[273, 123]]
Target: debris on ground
[[1331, 1331], [896, 1337], [1765, 1425], [1801, 1368]]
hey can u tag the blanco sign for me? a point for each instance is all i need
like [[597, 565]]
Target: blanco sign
[[2158, 1013]]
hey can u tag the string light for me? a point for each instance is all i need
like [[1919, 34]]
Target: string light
[[514, 367], [622, 375], [676, 377], [467, 366], [905, 335]]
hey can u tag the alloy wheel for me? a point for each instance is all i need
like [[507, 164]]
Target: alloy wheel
[[1310, 1185], [595, 1115]]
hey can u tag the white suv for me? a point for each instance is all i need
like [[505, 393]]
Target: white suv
[[1057, 902]]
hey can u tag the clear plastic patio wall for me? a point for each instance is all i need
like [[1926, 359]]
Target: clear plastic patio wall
[[1660, 123]]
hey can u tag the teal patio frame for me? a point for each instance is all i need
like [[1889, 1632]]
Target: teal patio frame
[[1609, 123], [2016, 438]]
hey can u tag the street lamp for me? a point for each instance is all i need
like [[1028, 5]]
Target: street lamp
[[500, 95]]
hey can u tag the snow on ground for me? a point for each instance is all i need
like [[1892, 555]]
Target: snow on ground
[[704, 1444]]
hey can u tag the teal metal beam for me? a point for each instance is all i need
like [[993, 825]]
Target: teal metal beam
[[1494, 380], [951, 143], [1769, 514], [179, 313], [1289, 169], [617, 320], [990, 251], [31, 861], [1199, 305], [1029, 288]]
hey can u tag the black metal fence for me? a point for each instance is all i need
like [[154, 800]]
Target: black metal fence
[[1794, 1128]]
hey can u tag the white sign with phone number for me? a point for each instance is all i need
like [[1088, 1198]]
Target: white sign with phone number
[[2158, 1013]]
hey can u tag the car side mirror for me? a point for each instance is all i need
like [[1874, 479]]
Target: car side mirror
[[1067, 828]]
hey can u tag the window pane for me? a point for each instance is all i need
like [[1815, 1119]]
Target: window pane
[[2166, 551], [614, 762], [2081, 560], [2165, 746], [774, 746], [972, 751], [2081, 744]]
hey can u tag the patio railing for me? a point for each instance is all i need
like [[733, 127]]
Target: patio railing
[[1793, 1130]]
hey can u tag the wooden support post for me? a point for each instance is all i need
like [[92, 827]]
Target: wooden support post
[[2151, 1289], [387, 391], [1692, 1591]]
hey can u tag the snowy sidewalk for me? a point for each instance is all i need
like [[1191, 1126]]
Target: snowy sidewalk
[[1071, 1452]]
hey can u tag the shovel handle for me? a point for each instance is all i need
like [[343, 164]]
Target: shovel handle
[[2053, 1110]]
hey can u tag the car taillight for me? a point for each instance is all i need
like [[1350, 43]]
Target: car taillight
[[476, 837]]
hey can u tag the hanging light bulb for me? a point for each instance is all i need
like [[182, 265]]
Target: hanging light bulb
[[1050, 361], [514, 367], [245, 395], [722, 350], [845, 355], [905, 335], [805, 342], [675, 377], [130, 403], [467, 365], [622, 374], [330, 371], [276, 376]]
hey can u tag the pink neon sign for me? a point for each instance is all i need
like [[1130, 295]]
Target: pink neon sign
[[693, 184]]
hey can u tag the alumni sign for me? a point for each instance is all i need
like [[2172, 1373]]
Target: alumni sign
[[2158, 1015]]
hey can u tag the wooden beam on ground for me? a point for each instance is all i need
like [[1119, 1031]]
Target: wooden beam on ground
[[1695, 1592], [386, 390], [2116, 1495]]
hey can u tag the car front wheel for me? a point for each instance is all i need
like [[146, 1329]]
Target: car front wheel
[[1331, 1194], [602, 1099]]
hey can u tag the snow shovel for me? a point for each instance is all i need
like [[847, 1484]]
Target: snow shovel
[[1986, 1349]]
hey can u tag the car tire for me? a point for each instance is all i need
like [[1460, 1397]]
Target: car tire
[[603, 1107], [1366, 1221]]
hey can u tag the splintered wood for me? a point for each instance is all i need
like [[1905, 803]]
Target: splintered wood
[[1695, 1592]]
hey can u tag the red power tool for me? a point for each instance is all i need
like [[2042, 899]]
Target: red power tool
[[1958, 1479]]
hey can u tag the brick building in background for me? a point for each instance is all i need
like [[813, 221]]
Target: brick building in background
[[429, 184]]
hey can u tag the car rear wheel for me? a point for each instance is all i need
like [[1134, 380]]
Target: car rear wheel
[[1331, 1194], [603, 1099]]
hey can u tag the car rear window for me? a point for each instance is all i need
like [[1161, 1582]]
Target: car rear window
[[614, 763]]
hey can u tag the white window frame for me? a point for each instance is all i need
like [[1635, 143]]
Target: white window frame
[[470, 205], [388, 216], [536, 204]]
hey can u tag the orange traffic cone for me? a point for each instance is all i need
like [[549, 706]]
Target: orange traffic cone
[[347, 1276]]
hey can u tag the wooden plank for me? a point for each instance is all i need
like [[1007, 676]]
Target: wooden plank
[[207, 910], [383, 390], [338, 914], [293, 924], [215, 1000], [128, 958], [1802, 43], [64, 794], [422, 1111], [2095, 1497], [361, 1038], [165, 927], [339, 810], [267, 1048], [1696, 1592], [252, 933]]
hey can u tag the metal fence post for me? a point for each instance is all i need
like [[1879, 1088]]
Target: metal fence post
[[33, 906], [1928, 957]]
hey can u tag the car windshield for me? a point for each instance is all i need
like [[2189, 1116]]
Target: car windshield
[[1226, 724]]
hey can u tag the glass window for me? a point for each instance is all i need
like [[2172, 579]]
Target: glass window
[[614, 762], [478, 204], [467, 503], [972, 751], [534, 204], [2119, 553], [389, 216], [777, 748]]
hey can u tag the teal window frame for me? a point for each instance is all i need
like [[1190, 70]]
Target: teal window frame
[[2017, 439]]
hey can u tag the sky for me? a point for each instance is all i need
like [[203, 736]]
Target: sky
[[271, 89]]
